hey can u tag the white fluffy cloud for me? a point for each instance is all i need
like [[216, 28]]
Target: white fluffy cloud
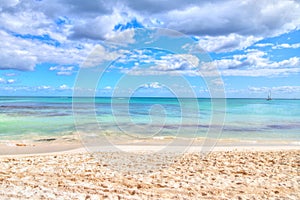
[[7, 81], [282, 89], [24, 54], [108, 88], [99, 55], [243, 17], [2, 80], [227, 43], [64, 87], [177, 62], [253, 63], [65, 32], [257, 63], [15, 53], [10, 74], [230, 25], [8, 3], [154, 85], [44, 87], [287, 46], [62, 70], [10, 81], [279, 46], [169, 64]]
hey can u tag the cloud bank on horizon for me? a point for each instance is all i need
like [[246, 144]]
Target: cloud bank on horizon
[[255, 45]]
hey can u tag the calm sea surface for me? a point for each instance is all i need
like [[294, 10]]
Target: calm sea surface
[[32, 118]]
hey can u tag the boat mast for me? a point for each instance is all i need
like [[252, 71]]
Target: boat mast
[[269, 95]]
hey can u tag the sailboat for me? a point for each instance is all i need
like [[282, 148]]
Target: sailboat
[[269, 96]]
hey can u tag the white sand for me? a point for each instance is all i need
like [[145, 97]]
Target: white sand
[[229, 172]]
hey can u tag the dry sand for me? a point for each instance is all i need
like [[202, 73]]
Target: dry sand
[[244, 173]]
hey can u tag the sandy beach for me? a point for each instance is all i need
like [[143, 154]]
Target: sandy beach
[[226, 173], [149, 100]]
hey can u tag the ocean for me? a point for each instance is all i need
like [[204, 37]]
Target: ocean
[[38, 118]]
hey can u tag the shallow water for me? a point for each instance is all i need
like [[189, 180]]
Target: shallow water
[[32, 118]]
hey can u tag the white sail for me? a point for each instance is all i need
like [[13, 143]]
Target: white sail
[[269, 96]]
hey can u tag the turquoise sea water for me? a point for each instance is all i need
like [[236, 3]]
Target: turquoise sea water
[[32, 118]]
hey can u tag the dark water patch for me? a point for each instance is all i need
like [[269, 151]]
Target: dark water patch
[[102, 112], [193, 126], [283, 126], [172, 127], [37, 114], [45, 140], [19, 114], [56, 114], [36, 107], [203, 126], [233, 129]]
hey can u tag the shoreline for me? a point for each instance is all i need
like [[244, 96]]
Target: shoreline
[[19, 148]]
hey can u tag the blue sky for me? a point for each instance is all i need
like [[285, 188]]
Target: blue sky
[[48, 45]]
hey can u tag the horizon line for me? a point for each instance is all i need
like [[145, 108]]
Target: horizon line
[[54, 96]]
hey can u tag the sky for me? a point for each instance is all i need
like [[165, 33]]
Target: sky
[[64, 47]]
